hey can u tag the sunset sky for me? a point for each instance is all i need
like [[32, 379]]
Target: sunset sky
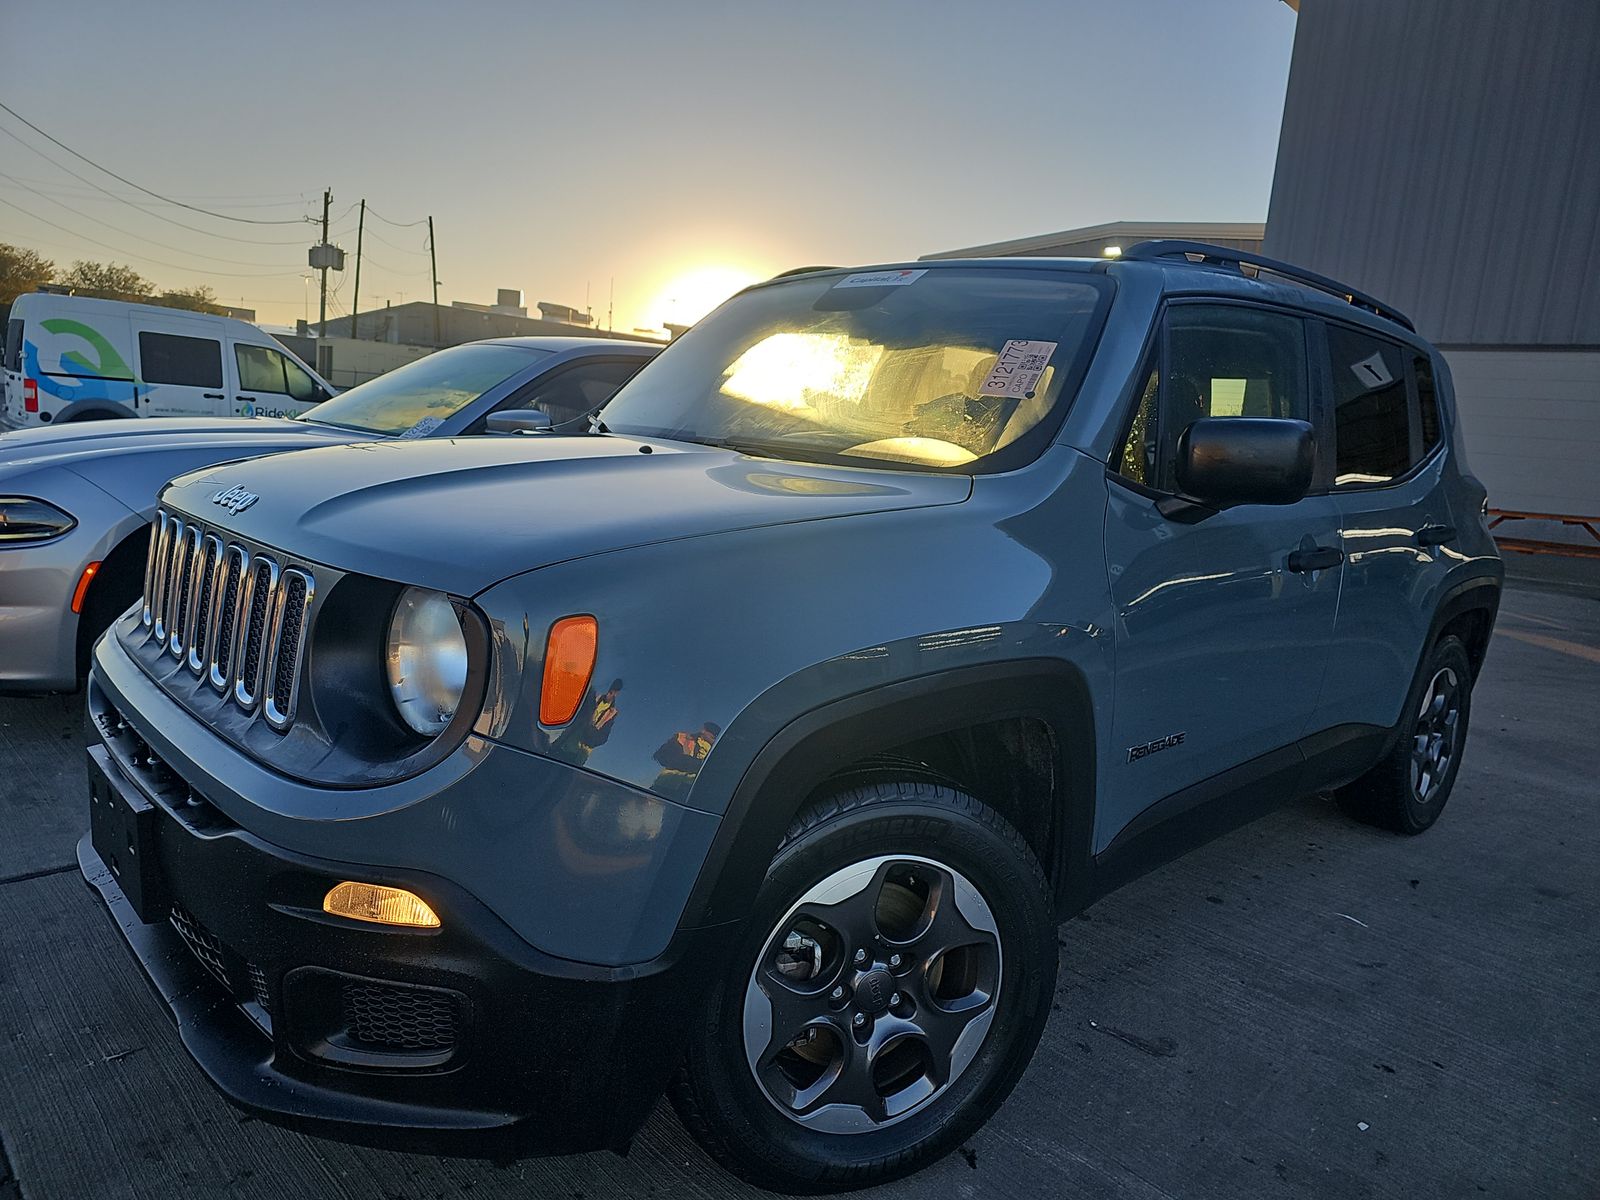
[[681, 150]]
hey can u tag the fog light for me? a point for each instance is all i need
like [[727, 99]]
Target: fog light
[[379, 904]]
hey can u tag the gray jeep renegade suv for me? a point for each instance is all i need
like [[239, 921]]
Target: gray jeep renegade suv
[[468, 794]]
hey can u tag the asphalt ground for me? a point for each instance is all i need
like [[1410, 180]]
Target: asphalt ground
[[1305, 1007]]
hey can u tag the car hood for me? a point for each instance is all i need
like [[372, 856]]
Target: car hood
[[462, 514], [131, 459]]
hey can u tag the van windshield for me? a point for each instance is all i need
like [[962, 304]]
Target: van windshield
[[417, 398], [963, 369]]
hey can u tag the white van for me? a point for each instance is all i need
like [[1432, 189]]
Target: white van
[[70, 358]]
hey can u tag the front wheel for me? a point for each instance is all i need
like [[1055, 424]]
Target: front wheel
[[889, 989]]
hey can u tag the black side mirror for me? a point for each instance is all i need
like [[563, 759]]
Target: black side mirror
[[1246, 460], [518, 420]]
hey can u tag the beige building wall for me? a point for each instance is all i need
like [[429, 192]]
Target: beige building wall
[[1531, 419]]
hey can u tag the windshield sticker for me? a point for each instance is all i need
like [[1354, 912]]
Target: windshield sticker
[[423, 427], [881, 278], [1016, 371]]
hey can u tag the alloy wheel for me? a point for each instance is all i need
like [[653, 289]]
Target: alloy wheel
[[1434, 737], [873, 994]]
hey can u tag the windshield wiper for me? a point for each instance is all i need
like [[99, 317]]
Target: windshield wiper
[[760, 449]]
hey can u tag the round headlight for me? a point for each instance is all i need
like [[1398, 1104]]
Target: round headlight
[[426, 660]]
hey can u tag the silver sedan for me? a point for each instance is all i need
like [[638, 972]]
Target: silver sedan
[[76, 501]]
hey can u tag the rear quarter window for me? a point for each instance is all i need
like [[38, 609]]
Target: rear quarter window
[[1386, 416], [13, 351], [181, 361]]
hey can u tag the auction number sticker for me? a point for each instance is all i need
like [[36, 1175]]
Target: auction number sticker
[[881, 278], [423, 427], [1017, 370]]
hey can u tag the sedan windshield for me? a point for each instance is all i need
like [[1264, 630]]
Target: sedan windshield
[[417, 398], [946, 368]]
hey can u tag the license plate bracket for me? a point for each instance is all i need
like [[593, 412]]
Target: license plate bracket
[[124, 829]]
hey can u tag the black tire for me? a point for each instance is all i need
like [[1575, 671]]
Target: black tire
[[904, 825], [117, 585], [1390, 795]]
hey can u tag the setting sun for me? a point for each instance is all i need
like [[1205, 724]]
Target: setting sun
[[695, 292]]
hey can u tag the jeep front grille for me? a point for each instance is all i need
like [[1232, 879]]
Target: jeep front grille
[[235, 617]]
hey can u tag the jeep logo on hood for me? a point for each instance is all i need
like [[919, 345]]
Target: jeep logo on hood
[[235, 499]]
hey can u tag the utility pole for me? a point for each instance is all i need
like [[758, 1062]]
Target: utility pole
[[355, 299], [322, 308], [433, 271], [611, 302]]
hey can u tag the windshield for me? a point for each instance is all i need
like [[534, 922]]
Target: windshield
[[946, 368], [417, 398]]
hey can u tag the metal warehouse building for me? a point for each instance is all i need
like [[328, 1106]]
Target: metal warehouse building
[[1446, 157], [1096, 241]]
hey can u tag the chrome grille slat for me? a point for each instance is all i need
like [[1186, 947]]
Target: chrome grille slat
[[180, 581], [237, 620], [158, 533], [255, 616], [219, 665], [198, 631], [171, 530], [281, 683]]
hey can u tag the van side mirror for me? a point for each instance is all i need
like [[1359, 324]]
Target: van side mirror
[[518, 420], [1224, 461]]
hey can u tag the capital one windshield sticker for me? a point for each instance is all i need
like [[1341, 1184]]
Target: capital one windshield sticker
[[881, 278], [1017, 370]]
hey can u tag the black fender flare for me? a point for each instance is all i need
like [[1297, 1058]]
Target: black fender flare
[[1478, 594], [771, 787]]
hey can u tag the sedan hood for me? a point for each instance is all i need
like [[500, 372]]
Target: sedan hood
[[131, 459], [461, 515]]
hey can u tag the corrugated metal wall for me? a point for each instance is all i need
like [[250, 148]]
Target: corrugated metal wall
[[1445, 155]]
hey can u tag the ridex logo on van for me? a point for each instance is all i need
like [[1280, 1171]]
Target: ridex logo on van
[[235, 499], [1135, 753]]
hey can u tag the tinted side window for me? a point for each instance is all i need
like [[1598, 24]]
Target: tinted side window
[[1140, 453], [572, 393], [13, 359], [1371, 410], [186, 361], [263, 369], [1220, 361], [1427, 402]]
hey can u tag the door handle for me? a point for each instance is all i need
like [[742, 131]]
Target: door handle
[[1436, 535], [1315, 558], [212, 396], [246, 399]]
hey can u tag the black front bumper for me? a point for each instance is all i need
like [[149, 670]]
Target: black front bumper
[[462, 1039]]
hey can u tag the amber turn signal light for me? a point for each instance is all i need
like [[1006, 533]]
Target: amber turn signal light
[[84, 581], [568, 665], [380, 905]]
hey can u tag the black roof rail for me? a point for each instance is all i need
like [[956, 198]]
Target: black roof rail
[[801, 271], [1202, 253]]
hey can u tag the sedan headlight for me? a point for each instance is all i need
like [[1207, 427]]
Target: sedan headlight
[[26, 520], [426, 660]]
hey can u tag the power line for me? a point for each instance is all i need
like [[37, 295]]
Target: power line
[[242, 200], [141, 208], [145, 257], [130, 233], [139, 187], [393, 246], [372, 213]]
